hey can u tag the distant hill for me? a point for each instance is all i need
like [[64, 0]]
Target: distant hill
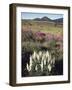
[[55, 21], [43, 19], [46, 19], [60, 20], [37, 19]]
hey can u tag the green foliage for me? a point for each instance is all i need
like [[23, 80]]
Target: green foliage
[[30, 46], [52, 44]]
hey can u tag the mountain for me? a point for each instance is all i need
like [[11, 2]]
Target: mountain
[[43, 19], [37, 19], [59, 20], [46, 19]]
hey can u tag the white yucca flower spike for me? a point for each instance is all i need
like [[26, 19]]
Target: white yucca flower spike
[[41, 65], [30, 60], [43, 56], [49, 58], [37, 57], [28, 67], [49, 67], [47, 54], [53, 60], [34, 55], [36, 68], [44, 61], [40, 53]]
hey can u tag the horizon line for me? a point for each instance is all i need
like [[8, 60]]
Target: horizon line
[[40, 18], [28, 15]]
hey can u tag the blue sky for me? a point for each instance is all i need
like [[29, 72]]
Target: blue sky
[[27, 15]]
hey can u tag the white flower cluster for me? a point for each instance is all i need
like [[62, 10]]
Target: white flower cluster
[[43, 58]]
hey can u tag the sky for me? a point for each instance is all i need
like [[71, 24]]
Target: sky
[[28, 15]]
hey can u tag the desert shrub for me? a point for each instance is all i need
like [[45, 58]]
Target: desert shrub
[[40, 36], [28, 36], [58, 37], [31, 46]]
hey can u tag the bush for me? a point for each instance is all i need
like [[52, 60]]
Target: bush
[[28, 36]]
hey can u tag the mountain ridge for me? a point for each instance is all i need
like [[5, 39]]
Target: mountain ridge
[[48, 19], [45, 18]]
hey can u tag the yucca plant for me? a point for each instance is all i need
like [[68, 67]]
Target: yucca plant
[[41, 63]]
